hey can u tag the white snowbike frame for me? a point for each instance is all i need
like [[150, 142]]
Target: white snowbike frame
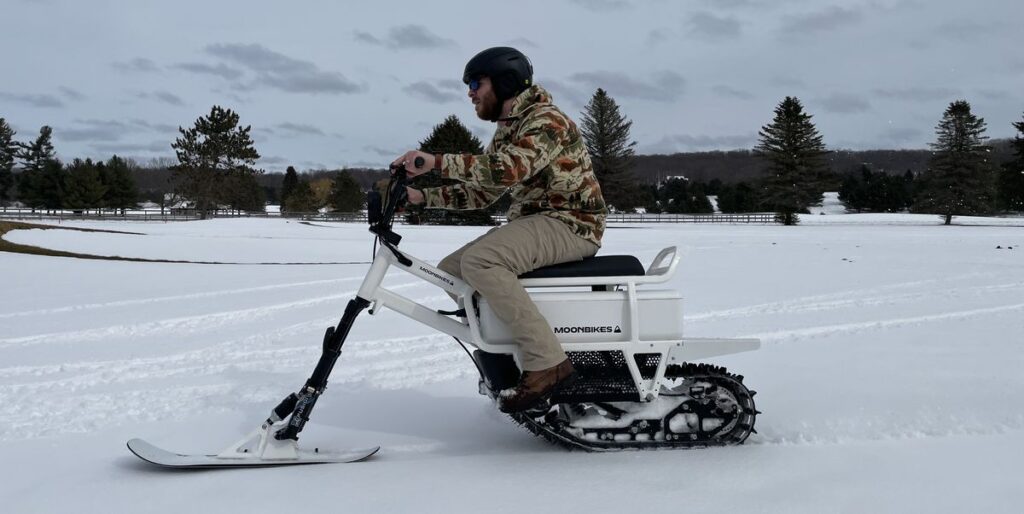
[[468, 330]]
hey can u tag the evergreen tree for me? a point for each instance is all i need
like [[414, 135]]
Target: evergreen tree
[[52, 185], [38, 172], [242, 192], [606, 133], [794, 150], [739, 197], [209, 154], [84, 189], [8, 152], [960, 178], [1011, 177], [346, 195], [121, 190], [679, 196], [301, 199], [291, 180], [451, 136]]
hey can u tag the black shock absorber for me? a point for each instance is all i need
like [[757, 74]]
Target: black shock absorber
[[302, 402]]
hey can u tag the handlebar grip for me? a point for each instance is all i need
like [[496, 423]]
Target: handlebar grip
[[418, 162]]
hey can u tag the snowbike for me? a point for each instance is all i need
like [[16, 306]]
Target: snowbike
[[635, 388]]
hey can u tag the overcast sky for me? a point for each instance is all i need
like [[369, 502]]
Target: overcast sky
[[331, 84]]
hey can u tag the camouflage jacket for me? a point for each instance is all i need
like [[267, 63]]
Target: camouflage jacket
[[540, 158]]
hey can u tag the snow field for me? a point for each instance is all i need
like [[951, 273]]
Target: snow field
[[889, 375]]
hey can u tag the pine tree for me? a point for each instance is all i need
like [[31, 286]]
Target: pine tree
[[8, 152], [211, 152], [242, 192], [1011, 176], [84, 189], [291, 180], [606, 133], [679, 196], [121, 190], [302, 198], [960, 179], [346, 195], [451, 136], [794, 150], [739, 197], [38, 172]]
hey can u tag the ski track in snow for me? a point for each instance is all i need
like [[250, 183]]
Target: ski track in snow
[[182, 325], [86, 396], [193, 296], [848, 299]]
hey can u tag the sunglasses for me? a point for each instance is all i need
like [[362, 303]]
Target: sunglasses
[[474, 84]]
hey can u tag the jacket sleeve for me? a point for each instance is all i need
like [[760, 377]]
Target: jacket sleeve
[[537, 144], [461, 196]]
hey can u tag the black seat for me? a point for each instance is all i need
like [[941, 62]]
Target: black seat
[[603, 266]]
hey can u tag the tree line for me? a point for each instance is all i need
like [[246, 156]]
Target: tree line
[[46, 183], [786, 172]]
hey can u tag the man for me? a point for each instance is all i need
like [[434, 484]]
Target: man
[[557, 213]]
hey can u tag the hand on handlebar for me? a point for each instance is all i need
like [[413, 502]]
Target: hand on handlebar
[[411, 159], [414, 196]]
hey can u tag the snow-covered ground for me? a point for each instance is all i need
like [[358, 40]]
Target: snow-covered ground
[[890, 374]]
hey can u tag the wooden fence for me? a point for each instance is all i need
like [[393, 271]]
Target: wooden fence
[[167, 215]]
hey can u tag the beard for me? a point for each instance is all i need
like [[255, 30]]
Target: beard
[[489, 109]]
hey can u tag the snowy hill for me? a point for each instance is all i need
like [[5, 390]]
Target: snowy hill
[[889, 377]]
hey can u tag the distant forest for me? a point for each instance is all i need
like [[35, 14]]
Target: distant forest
[[728, 166]]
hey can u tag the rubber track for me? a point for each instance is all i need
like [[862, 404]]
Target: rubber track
[[716, 374]]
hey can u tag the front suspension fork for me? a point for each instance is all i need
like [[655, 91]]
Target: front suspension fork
[[300, 404]]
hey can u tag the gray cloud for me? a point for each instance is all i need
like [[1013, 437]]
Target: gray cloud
[[431, 93], [366, 37], [965, 29], [732, 4], [34, 100], [603, 5], [844, 103], [687, 143], [708, 26], [94, 130], [522, 42], [300, 129], [123, 148], [273, 160], [416, 37], [156, 127], [168, 98], [565, 93], [452, 84], [71, 94], [281, 72], [903, 135], [136, 65], [792, 82], [383, 152], [731, 92], [109, 130], [658, 36], [994, 94], [220, 70], [665, 87], [918, 94], [161, 96], [831, 18]]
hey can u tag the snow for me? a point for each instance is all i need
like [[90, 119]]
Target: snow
[[889, 375]]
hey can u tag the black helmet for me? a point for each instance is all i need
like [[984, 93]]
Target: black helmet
[[510, 71]]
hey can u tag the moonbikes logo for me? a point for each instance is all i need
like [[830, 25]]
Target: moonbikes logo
[[446, 280], [605, 329]]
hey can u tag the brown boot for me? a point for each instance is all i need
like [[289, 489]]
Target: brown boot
[[535, 386]]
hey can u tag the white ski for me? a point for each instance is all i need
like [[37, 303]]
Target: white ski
[[156, 455]]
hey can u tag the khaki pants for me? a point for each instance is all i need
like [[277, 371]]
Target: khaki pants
[[492, 263]]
